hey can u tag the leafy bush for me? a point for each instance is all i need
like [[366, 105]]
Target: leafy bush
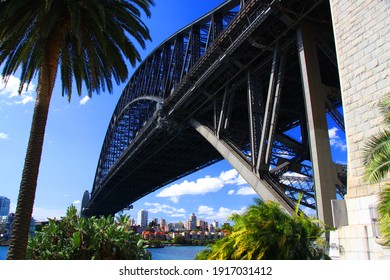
[[266, 232], [76, 238]]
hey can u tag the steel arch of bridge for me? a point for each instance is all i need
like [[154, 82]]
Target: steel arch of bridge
[[232, 77], [155, 80]]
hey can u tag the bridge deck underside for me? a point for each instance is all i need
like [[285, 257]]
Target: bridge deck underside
[[169, 157]]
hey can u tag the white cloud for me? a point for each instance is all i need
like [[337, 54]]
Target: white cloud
[[181, 210], [294, 174], [25, 99], [84, 100], [202, 185], [246, 191], [203, 209], [232, 177], [76, 202], [206, 212], [178, 215], [335, 140], [174, 199], [10, 89], [4, 136], [228, 175], [156, 208], [333, 133], [230, 192]]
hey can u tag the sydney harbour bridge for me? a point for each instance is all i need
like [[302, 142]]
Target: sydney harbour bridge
[[252, 82]]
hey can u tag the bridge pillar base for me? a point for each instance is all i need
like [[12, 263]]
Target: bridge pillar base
[[314, 96]]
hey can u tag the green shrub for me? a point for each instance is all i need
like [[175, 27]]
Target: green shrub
[[76, 238]]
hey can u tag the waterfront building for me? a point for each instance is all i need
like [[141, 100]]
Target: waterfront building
[[4, 206], [201, 235], [143, 218], [194, 234], [202, 225], [149, 235]]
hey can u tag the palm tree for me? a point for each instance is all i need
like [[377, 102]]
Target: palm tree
[[266, 232], [88, 40], [377, 162]]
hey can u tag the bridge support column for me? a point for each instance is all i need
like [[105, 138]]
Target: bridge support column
[[314, 96], [265, 191]]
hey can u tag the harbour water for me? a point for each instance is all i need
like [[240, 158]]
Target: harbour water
[[166, 253], [3, 252], [176, 252]]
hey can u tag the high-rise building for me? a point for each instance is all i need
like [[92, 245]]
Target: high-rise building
[[4, 206], [191, 223], [143, 218]]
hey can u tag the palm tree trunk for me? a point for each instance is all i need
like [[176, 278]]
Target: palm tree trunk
[[19, 237]]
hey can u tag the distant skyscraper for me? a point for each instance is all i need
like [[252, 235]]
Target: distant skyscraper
[[4, 206], [192, 222], [143, 218]]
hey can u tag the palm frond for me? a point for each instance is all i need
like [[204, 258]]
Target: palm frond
[[384, 214], [385, 109], [96, 40], [377, 156]]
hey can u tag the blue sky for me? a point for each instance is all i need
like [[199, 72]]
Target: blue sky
[[75, 133]]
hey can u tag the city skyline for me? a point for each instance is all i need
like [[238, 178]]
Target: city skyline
[[191, 223], [75, 133]]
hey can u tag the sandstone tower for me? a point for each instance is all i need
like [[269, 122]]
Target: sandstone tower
[[362, 37]]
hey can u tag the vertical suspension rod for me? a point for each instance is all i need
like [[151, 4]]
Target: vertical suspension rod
[[275, 108], [255, 114], [222, 114], [268, 110]]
